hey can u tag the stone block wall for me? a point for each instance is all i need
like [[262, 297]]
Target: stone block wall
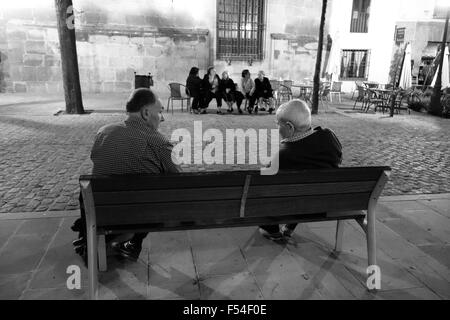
[[165, 38], [32, 59], [109, 57], [109, 53]]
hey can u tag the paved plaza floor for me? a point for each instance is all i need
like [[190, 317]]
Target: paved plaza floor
[[42, 156], [413, 235]]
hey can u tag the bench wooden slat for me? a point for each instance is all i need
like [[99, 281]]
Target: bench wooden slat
[[162, 182], [230, 179], [319, 176], [306, 205], [174, 195], [230, 193], [310, 189], [161, 212]]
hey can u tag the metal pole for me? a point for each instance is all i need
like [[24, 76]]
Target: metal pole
[[435, 104]]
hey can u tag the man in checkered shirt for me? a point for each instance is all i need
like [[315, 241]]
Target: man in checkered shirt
[[132, 147]]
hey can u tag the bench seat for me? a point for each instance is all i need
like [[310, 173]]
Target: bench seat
[[189, 201]]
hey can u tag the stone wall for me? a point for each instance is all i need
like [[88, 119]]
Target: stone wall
[[165, 38]]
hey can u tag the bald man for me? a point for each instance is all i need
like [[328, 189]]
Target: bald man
[[302, 147]]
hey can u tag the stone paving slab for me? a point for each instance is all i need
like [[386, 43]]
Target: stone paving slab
[[237, 263]]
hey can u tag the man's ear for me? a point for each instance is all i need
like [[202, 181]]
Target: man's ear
[[291, 126], [144, 113]]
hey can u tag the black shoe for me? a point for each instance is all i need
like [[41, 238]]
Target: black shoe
[[256, 110], [249, 110], [286, 232], [79, 242], [203, 112], [129, 250], [271, 110], [230, 110], [277, 236], [240, 111], [262, 109]]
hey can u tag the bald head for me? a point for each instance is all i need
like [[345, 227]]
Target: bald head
[[297, 113]]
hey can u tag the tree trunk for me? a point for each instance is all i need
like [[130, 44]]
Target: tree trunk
[[69, 59], [315, 99]]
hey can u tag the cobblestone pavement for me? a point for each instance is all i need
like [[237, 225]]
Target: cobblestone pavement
[[42, 155]]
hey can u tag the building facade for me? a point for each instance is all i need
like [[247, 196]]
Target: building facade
[[162, 37], [371, 36]]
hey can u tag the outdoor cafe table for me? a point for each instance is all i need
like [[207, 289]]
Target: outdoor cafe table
[[385, 95]]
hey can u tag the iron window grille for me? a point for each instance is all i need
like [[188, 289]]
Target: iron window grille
[[240, 29], [354, 64], [400, 35], [360, 16]]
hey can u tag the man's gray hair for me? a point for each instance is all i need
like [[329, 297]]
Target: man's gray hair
[[296, 112]]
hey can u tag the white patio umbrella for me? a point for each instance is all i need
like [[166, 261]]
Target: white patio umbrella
[[334, 60], [406, 76], [445, 71]]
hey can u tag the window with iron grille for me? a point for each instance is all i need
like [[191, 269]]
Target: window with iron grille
[[354, 64], [400, 35], [240, 29], [360, 16]]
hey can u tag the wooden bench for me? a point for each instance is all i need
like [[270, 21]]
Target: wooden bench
[[188, 201]]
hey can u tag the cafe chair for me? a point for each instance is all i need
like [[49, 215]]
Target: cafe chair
[[176, 94], [336, 90]]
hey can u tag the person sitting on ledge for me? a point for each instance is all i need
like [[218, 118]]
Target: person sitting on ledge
[[132, 147], [302, 147], [194, 84], [228, 90], [248, 90], [210, 88], [263, 92]]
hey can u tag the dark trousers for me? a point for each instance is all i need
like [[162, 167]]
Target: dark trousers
[[196, 102], [80, 226], [239, 97], [209, 96], [251, 100]]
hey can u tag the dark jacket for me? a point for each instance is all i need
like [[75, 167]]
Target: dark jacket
[[263, 86], [227, 84], [206, 86], [322, 149], [194, 85]]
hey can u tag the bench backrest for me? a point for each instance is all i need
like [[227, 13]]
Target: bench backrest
[[220, 196]]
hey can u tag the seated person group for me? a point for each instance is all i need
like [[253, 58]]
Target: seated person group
[[135, 146], [203, 91]]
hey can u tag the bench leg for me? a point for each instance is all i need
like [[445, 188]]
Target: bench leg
[[339, 235], [102, 265], [371, 237], [92, 261]]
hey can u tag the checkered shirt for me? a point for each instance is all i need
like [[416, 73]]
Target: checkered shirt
[[131, 147]]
